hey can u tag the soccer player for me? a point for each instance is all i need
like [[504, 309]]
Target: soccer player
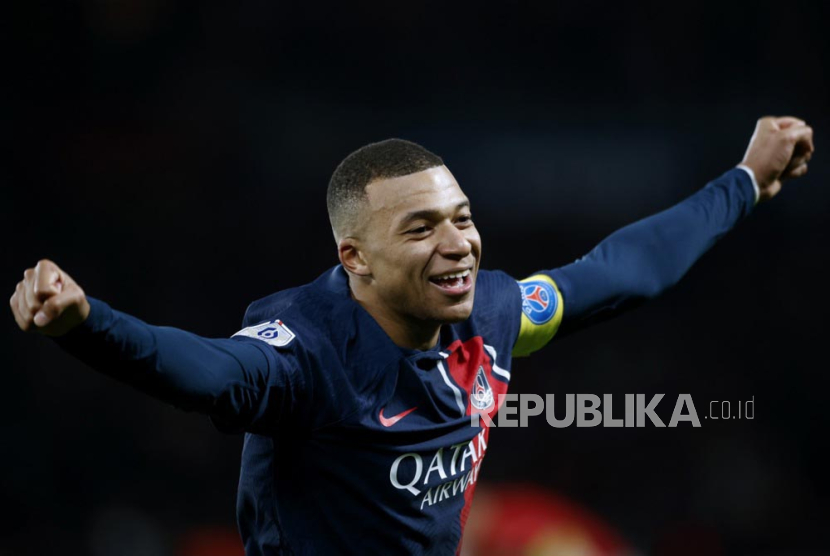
[[356, 391]]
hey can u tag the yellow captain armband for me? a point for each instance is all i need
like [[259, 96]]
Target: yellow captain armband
[[542, 309]]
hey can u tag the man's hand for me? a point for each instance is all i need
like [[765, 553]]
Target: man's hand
[[779, 149], [48, 301]]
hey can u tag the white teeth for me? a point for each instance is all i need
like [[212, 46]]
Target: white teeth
[[463, 274]]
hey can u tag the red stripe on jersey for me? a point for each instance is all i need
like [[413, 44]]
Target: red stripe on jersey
[[464, 362]]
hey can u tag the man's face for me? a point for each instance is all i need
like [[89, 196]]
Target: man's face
[[421, 246]]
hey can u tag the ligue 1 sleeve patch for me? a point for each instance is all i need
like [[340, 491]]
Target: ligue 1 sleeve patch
[[273, 332], [539, 301]]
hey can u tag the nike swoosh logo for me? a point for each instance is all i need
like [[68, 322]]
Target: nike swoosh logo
[[389, 421]]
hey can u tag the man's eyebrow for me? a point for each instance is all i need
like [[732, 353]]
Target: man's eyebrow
[[430, 214]]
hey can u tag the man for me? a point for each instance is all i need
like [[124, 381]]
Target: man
[[356, 391]]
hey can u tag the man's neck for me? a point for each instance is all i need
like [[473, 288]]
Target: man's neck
[[404, 333]]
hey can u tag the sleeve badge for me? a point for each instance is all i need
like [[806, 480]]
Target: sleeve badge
[[272, 332]]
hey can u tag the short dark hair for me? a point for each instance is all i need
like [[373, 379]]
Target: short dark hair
[[386, 159]]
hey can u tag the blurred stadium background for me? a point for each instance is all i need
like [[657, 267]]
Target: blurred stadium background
[[173, 157]]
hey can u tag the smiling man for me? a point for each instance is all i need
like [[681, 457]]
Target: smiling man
[[356, 391], [408, 243]]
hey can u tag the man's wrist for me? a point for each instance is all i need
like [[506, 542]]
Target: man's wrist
[[98, 319], [751, 174]]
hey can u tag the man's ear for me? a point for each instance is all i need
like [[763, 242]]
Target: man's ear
[[352, 257]]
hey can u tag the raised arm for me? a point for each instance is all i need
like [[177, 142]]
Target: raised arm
[[229, 379], [646, 258], [642, 260]]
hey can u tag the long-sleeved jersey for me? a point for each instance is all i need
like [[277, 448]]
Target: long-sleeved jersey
[[354, 445]]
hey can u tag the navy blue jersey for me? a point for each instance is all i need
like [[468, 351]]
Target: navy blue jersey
[[373, 452], [356, 446]]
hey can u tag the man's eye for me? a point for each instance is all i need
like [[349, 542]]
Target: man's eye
[[418, 230], [465, 219]]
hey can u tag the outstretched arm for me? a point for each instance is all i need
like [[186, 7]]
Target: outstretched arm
[[229, 379], [642, 260]]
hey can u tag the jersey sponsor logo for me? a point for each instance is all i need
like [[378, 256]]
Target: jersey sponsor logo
[[273, 332], [389, 421], [470, 371], [481, 397], [432, 478], [539, 301]]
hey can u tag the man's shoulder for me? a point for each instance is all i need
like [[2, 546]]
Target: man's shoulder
[[276, 305], [490, 277], [494, 287], [322, 324], [306, 302], [497, 308]]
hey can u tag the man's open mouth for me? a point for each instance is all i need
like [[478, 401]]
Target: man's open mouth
[[454, 283]]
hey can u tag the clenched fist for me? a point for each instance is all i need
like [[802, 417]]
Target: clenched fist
[[779, 149], [48, 301]]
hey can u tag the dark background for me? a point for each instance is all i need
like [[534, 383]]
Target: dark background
[[173, 157]]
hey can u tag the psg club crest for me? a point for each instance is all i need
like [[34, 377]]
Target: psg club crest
[[539, 301], [481, 397]]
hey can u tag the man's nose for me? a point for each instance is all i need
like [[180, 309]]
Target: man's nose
[[453, 243]]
